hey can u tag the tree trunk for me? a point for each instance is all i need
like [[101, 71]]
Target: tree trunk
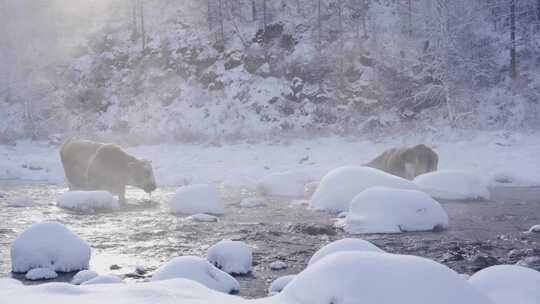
[[409, 15], [319, 21], [513, 55], [222, 27], [209, 14], [265, 20], [134, 31], [254, 10], [143, 31]]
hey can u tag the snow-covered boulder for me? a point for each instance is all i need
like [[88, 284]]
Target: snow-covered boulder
[[534, 229], [49, 245], [88, 201], [280, 283], [193, 199], [21, 201], [382, 278], [203, 217], [385, 210], [83, 276], [508, 284], [233, 257], [278, 265], [41, 274], [252, 202], [289, 183], [104, 279], [199, 270], [339, 186], [453, 185], [348, 244]]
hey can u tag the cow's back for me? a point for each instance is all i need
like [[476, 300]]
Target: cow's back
[[108, 168], [75, 156]]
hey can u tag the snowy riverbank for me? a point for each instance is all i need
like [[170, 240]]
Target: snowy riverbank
[[495, 156]]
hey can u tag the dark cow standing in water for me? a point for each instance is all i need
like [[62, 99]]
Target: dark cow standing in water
[[407, 162], [91, 165]]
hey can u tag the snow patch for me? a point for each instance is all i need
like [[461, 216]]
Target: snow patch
[[385, 210], [104, 279], [233, 257], [280, 283], [49, 245], [83, 276], [199, 270], [453, 185], [194, 199], [252, 202], [508, 284], [278, 265], [348, 244], [339, 186], [534, 229], [88, 201]]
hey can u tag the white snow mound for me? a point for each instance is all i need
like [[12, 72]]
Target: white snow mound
[[280, 283], [200, 198], [49, 245], [339, 186], [22, 201], [453, 185], [534, 229], [233, 257], [385, 210], [278, 265], [347, 244], [508, 284], [83, 276], [382, 278], [41, 274], [199, 270], [161, 292], [104, 279], [289, 183], [88, 201]]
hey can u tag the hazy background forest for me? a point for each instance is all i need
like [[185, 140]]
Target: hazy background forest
[[166, 70]]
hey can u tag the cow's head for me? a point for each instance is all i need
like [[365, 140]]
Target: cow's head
[[142, 175]]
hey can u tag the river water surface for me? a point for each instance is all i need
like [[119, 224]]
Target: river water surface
[[481, 233]]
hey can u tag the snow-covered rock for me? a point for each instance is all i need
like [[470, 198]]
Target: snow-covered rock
[[22, 201], [83, 276], [104, 279], [348, 244], [193, 199], [534, 229], [203, 217], [508, 284], [340, 185], [40, 274], [310, 188], [453, 185], [88, 201], [289, 183], [49, 245], [252, 202], [233, 257], [280, 283], [199, 270], [385, 210], [278, 265], [382, 278]]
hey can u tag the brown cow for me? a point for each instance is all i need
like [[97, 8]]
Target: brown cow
[[407, 162]]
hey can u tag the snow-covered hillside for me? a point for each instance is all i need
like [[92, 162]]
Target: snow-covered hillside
[[257, 69]]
